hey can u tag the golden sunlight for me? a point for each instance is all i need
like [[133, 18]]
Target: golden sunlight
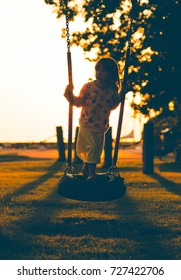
[[34, 74]]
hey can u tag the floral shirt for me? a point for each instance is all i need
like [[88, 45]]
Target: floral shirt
[[96, 105]]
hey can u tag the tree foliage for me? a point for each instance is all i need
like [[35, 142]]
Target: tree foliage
[[155, 51]]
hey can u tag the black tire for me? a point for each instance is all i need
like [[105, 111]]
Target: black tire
[[105, 187]]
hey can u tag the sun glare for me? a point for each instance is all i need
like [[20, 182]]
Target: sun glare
[[34, 73]]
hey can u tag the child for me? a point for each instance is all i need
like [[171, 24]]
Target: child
[[97, 99]]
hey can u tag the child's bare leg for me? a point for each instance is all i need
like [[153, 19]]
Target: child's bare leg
[[85, 170], [92, 171]]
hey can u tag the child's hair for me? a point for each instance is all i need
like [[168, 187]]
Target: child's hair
[[112, 67]]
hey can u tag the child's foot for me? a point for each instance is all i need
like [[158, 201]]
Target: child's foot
[[92, 172], [85, 170]]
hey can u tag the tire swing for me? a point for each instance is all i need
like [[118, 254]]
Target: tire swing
[[107, 186]]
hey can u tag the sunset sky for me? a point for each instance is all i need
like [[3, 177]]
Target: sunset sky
[[33, 73]]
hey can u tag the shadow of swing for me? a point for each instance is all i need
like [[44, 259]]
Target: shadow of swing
[[167, 184], [50, 171]]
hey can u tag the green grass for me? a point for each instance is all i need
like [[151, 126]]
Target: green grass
[[37, 223]]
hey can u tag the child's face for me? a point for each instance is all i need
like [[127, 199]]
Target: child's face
[[102, 74]]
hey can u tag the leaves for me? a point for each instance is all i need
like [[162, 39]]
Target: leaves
[[155, 51]]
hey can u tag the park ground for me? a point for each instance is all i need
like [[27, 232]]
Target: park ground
[[36, 223]]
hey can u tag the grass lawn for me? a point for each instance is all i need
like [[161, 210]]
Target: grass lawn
[[37, 223]]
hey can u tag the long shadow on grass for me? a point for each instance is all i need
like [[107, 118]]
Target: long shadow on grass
[[167, 184], [50, 171], [170, 166], [150, 238], [15, 243], [13, 157], [10, 248], [131, 231], [130, 227]]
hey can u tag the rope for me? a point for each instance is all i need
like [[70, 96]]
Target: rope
[[120, 120], [70, 80]]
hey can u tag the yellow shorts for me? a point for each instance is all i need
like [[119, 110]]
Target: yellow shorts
[[89, 145]]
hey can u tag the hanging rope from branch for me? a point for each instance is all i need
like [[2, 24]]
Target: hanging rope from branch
[[120, 121]]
